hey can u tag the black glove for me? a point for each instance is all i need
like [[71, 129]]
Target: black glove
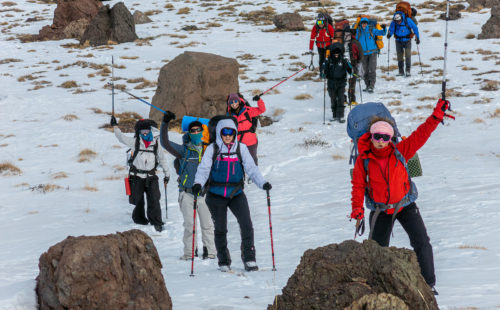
[[166, 179], [256, 98], [168, 116], [196, 189], [418, 41], [267, 186], [113, 122], [388, 36], [384, 26]]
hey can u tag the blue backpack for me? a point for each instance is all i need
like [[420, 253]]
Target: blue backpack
[[358, 123]]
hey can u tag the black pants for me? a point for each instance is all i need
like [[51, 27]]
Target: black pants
[[403, 51], [352, 84], [414, 226], [322, 55], [336, 91], [138, 187], [253, 152], [238, 205]]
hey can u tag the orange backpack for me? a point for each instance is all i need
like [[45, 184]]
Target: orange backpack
[[404, 7]]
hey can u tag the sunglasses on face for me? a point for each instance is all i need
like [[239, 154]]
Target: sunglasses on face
[[235, 101], [145, 131], [320, 23], [195, 130], [381, 136], [228, 132]]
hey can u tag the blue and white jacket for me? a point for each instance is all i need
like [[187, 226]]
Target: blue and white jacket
[[227, 168], [367, 37], [402, 31]]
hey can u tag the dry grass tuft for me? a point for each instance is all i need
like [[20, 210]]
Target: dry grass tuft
[[478, 121], [185, 10], [260, 17], [69, 84], [338, 157], [495, 114], [59, 175], [9, 60], [482, 101], [86, 155], [246, 57], [490, 85], [7, 168], [278, 112], [113, 178], [45, 188], [394, 103], [436, 35], [312, 142], [129, 57], [303, 97], [70, 117], [390, 68], [427, 20], [308, 76], [475, 247], [90, 188], [470, 36]]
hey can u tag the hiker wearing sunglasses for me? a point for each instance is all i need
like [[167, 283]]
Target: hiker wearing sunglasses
[[188, 155], [246, 117], [142, 174], [381, 179], [322, 34], [222, 170]]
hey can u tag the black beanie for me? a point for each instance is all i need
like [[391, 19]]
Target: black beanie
[[195, 124]]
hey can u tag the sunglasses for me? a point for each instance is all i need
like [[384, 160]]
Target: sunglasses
[[235, 101], [381, 136], [320, 22], [145, 131], [228, 132], [195, 130]]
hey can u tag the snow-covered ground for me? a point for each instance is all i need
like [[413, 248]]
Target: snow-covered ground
[[459, 192]]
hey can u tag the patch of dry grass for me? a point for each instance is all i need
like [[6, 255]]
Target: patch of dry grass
[[45, 188], [113, 178], [490, 85], [9, 60], [129, 57], [436, 34], [314, 141], [482, 101], [394, 103], [303, 97], [338, 157], [69, 84], [495, 113], [90, 188], [185, 10], [278, 112], [470, 36], [59, 175], [426, 20], [260, 17], [246, 57], [70, 117], [86, 155], [8, 168], [475, 247]]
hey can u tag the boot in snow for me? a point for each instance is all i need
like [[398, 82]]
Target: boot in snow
[[251, 266], [224, 268]]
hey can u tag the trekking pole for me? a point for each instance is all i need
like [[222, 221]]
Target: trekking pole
[[261, 94], [324, 101], [113, 89], [389, 54], [443, 85], [143, 101], [194, 234], [270, 226], [360, 91], [311, 65], [166, 204], [420, 61]]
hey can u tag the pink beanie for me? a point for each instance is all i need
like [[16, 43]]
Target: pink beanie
[[382, 127], [232, 97]]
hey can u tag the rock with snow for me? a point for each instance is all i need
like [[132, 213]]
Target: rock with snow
[[117, 271], [195, 84], [116, 24], [289, 21], [66, 13], [337, 275], [141, 18], [482, 3], [491, 30]]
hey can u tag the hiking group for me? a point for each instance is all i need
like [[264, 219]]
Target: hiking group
[[362, 42], [214, 155]]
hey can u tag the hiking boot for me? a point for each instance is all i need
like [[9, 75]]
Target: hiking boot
[[251, 266], [206, 255], [224, 268], [401, 73], [434, 291], [185, 257], [370, 89], [341, 120], [159, 228], [408, 73]]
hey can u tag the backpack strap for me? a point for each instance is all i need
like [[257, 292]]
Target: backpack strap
[[237, 185], [133, 169]]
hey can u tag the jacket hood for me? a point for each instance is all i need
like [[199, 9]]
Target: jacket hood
[[224, 123], [337, 47], [363, 19]]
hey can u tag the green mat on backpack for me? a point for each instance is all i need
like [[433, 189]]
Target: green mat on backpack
[[413, 166]]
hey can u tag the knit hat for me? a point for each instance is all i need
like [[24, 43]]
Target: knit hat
[[382, 127], [232, 97], [194, 124]]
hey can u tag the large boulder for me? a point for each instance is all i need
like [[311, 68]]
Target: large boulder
[[482, 3], [67, 12], [116, 24], [491, 30], [289, 21], [337, 276], [117, 271], [195, 84], [141, 18]]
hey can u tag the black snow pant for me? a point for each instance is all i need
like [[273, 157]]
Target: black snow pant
[[351, 92], [253, 152], [322, 55], [414, 226], [139, 186], [336, 91], [403, 51], [238, 205]]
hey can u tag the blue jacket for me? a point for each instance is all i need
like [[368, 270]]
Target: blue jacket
[[367, 37], [189, 156], [402, 31], [227, 168]]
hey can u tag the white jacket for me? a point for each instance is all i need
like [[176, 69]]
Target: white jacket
[[144, 160]]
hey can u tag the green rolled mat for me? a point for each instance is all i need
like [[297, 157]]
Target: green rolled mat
[[413, 166]]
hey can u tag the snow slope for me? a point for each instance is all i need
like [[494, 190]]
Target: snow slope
[[459, 192]]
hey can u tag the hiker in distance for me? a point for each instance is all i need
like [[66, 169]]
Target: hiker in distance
[[404, 29], [366, 36], [322, 34], [381, 178], [188, 155], [222, 169], [146, 157], [355, 57], [247, 120], [336, 69]]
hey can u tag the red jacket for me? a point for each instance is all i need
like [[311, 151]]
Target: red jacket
[[390, 186], [321, 36], [244, 118]]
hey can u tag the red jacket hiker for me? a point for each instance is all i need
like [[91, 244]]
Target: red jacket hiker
[[388, 179], [244, 118], [321, 36]]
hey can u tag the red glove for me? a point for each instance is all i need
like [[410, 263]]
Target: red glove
[[440, 109], [358, 213]]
